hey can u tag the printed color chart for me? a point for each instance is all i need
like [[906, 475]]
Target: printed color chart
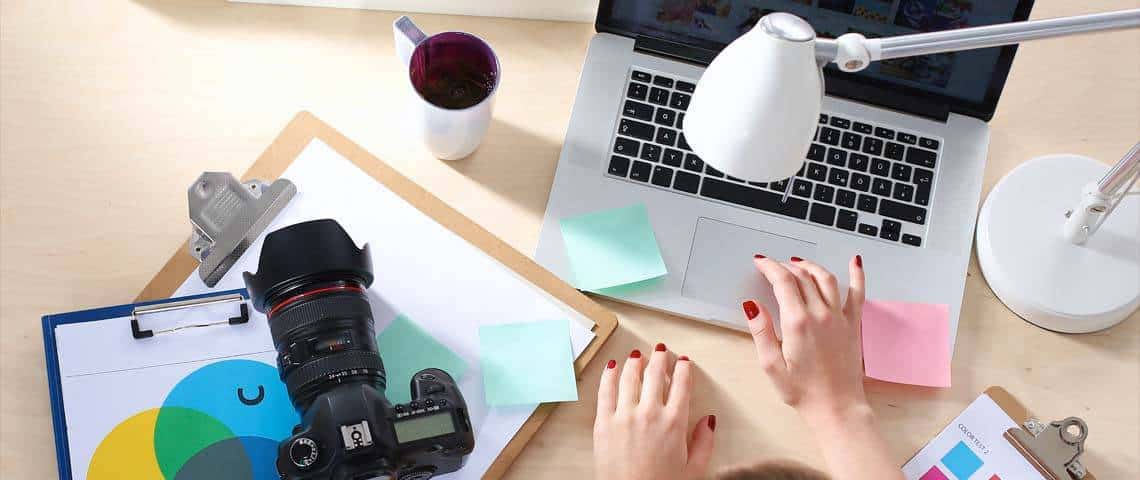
[[972, 447]]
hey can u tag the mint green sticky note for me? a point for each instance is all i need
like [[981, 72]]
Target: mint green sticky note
[[612, 247], [527, 363], [406, 349]]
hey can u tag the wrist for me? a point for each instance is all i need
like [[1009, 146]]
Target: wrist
[[827, 419]]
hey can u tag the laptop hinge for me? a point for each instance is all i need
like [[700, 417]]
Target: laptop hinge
[[673, 50]]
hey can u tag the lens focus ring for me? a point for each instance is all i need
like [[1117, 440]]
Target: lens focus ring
[[305, 314], [321, 368]]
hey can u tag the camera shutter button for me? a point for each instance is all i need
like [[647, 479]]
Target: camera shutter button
[[303, 452], [427, 376]]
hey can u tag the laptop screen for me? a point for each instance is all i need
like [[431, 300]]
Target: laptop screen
[[967, 76]]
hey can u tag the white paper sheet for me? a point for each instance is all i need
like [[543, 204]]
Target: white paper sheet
[[422, 270]]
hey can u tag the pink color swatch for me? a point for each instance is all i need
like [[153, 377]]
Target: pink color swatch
[[995, 477], [933, 474], [907, 342]]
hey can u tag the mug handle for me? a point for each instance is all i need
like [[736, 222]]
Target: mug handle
[[407, 36]]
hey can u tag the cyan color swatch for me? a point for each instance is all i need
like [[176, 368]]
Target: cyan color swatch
[[961, 461]]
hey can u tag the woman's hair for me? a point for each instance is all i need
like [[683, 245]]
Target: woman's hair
[[773, 470]]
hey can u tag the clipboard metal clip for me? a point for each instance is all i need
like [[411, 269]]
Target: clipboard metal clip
[[1054, 448], [138, 312]]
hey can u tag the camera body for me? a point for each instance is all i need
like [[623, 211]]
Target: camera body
[[311, 282]]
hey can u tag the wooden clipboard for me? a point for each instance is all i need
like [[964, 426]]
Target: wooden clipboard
[[306, 127]]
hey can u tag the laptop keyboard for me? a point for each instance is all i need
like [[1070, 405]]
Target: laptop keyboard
[[867, 179]]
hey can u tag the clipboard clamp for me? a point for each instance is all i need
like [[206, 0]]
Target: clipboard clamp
[[138, 312], [1053, 448]]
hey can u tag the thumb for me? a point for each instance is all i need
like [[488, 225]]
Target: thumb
[[701, 444]]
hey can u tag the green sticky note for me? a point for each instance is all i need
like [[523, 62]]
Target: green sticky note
[[612, 247], [527, 363], [406, 349]]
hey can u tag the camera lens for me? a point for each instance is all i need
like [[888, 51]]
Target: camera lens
[[311, 282]]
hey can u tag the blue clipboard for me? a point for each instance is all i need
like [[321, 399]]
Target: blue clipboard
[[55, 386]]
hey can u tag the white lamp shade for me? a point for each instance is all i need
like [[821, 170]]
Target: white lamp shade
[[756, 107]]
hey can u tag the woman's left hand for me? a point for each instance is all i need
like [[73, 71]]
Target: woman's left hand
[[641, 430]]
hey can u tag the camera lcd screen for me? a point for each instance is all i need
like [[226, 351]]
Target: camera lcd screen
[[424, 427]]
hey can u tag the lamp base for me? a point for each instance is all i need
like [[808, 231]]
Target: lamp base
[[1044, 278]]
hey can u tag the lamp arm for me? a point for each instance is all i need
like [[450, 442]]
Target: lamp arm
[[853, 52], [1100, 198]]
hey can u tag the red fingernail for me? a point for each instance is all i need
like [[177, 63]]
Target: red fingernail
[[751, 310], [611, 364], [635, 353], [660, 347], [683, 358], [758, 256], [712, 422], [797, 259], [859, 261]]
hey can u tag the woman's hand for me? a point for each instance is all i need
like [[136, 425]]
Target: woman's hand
[[641, 430]]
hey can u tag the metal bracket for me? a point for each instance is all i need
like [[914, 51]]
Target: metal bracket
[[1054, 449], [227, 216]]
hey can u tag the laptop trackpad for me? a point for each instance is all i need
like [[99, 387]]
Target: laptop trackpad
[[720, 268]]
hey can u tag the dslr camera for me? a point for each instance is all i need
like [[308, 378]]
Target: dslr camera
[[311, 282]]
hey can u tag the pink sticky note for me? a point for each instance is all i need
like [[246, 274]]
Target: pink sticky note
[[907, 342]]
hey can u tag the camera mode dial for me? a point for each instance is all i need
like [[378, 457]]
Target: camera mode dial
[[303, 452]]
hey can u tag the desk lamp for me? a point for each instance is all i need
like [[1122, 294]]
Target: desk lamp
[[1045, 242]]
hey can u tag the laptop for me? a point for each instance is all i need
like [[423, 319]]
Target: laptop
[[894, 172]]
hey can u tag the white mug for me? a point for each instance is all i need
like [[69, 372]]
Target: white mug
[[453, 77]]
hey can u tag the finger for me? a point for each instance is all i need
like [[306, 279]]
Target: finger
[[681, 391], [856, 292], [608, 390], [813, 300], [824, 280], [653, 384], [783, 284], [763, 331], [629, 387], [701, 444]]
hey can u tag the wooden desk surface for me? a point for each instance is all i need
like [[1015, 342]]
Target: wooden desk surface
[[109, 109]]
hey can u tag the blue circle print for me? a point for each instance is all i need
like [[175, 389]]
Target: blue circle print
[[246, 396]]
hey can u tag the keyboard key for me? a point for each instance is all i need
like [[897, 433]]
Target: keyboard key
[[663, 81], [640, 171], [873, 146], [912, 240], [901, 211], [650, 152], [923, 176], [619, 166], [637, 91], [891, 230], [904, 192], [928, 143], [687, 182], [801, 188], [637, 110], [907, 138], [686, 86], [920, 157], [803, 170], [840, 122], [884, 133], [847, 220], [862, 128], [816, 171], [659, 96], [712, 172], [664, 117], [682, 144], [635, 129], [741, 180], [851, 141], [922, 195], [838, 177], [822, 214], [881, 186], [680, 101], [758, 184], [860, 182], [779, 186], [823, 118], [867, 203], [817, 152], [829, 136], [694, 163], [868, 230], [894, 151], [666, 136], [680, 120], [754, 198], [845, 198], [836, 157], [641, 76], [673, 158], [880, 167], [824, 193], [900, 172], [663, 176], [626, 146]]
